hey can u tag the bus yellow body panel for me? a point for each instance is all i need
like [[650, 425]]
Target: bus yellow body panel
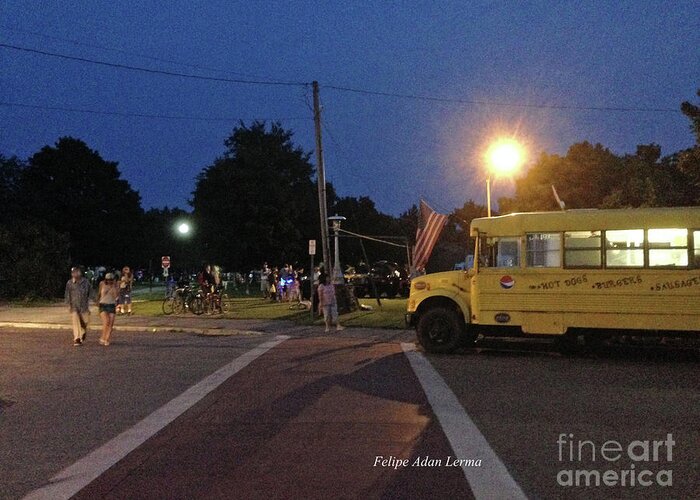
[[626, 269]]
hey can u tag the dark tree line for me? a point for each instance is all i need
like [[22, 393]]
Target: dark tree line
[[67, 205], [591, 176]]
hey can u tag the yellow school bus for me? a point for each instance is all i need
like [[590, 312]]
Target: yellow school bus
[[587, 273]]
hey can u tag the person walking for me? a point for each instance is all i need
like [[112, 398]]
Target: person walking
[[327, 303], [77, 296], [126, 282], [107, 299], [265, 281]]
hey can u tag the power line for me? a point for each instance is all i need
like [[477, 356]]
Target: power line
[[127, 52], [451, 100], [355, 90], [154, 71], [142, 115]]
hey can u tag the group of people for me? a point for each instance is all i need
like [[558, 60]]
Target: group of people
[[113, 296], [287, 285], [210, 283], [282, 285]]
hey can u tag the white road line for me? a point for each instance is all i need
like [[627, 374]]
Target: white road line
[[492, 479], [71, 480]]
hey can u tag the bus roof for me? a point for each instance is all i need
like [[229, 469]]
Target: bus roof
[[588, 220]]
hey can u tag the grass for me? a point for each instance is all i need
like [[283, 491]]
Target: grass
[[390, 315]]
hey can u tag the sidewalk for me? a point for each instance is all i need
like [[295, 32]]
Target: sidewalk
[[56, 317]]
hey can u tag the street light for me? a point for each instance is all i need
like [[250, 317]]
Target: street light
[[337, 271], [183, 228], [504, 157]]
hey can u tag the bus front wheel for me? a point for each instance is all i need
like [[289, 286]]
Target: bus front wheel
[[440, 330]]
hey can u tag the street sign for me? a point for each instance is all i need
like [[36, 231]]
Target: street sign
[[165, 261], [312, 247]]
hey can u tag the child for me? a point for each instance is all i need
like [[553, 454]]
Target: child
[[327, 303]]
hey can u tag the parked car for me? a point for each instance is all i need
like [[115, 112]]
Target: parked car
[[389, 278]]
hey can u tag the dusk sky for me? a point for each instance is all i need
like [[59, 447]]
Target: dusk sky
[[543, 59]]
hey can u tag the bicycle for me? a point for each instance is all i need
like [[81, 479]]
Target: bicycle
[[182, 300], [217, 302]]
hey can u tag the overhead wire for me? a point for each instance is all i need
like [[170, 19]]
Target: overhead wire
[[142, 115], [452, 100], [142, 69], [130, 53], [346, 89]]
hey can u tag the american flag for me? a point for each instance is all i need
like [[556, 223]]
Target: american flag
[[429, 228]]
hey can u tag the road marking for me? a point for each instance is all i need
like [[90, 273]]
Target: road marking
[[71, 480], [492, 479]]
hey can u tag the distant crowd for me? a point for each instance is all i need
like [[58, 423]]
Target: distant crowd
[[287, 284]]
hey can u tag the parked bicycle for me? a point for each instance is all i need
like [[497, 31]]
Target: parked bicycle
[[182, 300]]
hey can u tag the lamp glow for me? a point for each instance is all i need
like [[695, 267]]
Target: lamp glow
[[505, 157], [183, 228]]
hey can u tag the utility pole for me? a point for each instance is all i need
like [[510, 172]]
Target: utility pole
[[321, 176]]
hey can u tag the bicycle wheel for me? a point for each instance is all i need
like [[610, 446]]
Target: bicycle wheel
[[225, 303], [197, 305], [169, 306], [179, 306]]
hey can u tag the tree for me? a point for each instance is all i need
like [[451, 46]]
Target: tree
[[693, 113], [34, 260], [583, 178], [10, 174], [257, 201], [32, 254], [688, 161], [75, 191], [454, 243]]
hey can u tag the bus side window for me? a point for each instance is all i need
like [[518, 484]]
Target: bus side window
[[624, 248], [500, 252], [668, 247], [544, 249], [696, 249], [583, 249]]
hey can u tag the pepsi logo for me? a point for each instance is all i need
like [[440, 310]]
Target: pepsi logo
[[507, 282]]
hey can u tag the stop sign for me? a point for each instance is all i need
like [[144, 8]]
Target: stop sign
[[165, 261]]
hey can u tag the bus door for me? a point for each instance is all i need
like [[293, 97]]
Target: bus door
[[498, 260]]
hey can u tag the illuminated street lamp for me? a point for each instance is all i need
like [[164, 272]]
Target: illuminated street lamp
[[504, 157], [183, 228], [338, 278]]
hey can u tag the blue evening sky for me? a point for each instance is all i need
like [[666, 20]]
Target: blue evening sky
[[557, 53]]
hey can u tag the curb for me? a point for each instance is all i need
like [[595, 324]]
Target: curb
[[137, 329]]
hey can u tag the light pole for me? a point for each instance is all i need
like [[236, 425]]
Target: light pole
[[338, 278], [183, 232], [504, 157]]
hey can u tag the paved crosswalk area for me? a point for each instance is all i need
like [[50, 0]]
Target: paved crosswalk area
[[277, 411]]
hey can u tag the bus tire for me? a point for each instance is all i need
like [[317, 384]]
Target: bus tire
[[440, 330]]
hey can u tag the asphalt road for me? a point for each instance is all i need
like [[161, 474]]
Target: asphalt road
[[59, 402], [308, 417], [523, 395]]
